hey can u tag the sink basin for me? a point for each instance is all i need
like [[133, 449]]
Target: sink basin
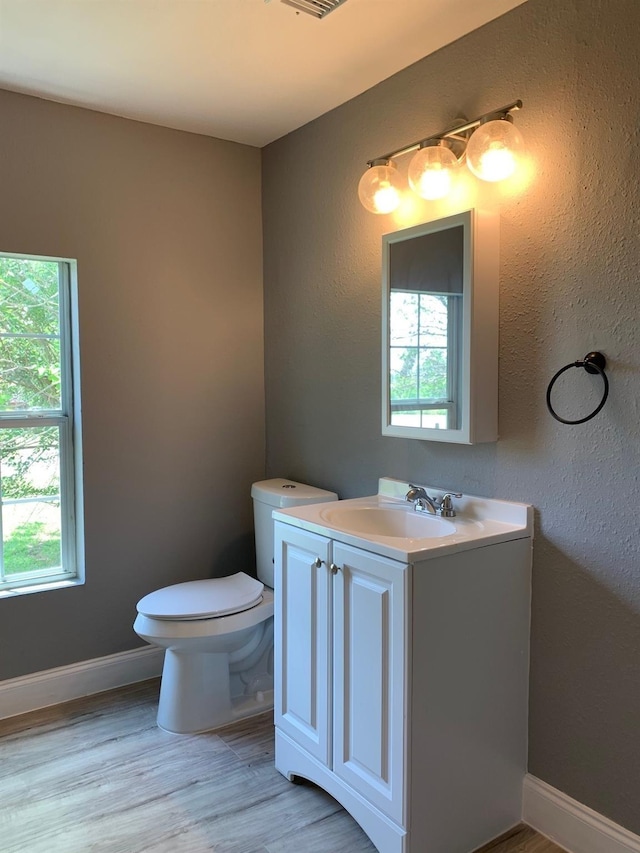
[[387, 521]]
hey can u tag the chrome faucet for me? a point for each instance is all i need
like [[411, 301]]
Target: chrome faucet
[[423, 503], [420, 500]]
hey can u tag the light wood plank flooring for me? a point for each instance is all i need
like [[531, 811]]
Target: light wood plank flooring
[[522, 839], [97, 775]]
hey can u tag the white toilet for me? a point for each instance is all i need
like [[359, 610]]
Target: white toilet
[[218, 633]]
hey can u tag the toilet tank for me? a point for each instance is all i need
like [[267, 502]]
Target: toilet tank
[[278, 493]]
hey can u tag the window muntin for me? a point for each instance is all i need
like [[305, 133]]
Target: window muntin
[[39, 435]]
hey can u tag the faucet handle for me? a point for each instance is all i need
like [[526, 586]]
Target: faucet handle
[[446, 509]]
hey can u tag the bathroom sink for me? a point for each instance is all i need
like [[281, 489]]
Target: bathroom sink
[[402, 522], [389, 525]]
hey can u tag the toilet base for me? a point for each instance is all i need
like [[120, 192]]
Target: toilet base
[[195, 694]]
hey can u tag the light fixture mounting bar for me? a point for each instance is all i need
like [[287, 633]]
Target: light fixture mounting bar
[[449, 132]]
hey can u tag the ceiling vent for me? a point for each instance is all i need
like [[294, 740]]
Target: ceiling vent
[[316, 8]]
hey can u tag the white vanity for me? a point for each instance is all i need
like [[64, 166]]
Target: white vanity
[[402, 645]]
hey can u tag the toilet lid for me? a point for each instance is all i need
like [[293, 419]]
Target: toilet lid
[[203, 599]]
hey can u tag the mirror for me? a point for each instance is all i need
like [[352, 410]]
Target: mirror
[[440, 330]]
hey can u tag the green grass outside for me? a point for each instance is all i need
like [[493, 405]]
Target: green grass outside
[[31, 547]]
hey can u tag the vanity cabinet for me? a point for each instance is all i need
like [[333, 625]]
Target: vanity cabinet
[[401, 687], [341, 647]]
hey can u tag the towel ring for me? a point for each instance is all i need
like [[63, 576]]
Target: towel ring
[[593, 362]]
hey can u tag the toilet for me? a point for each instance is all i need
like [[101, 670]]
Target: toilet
[[218, 633]]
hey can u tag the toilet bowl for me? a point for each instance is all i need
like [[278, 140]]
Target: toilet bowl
[[208, 638], [218, 633]]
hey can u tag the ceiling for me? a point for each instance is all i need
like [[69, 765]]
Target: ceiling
[[245, 70]]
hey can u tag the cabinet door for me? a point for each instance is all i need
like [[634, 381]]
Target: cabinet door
[[370, 676], [302, 639]]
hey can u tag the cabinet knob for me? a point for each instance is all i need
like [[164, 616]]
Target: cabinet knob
[[317, 562], [334, 569]]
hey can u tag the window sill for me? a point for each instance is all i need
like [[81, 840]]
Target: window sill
[[39, 587]]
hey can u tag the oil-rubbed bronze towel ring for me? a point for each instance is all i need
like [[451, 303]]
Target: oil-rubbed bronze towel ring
[[593, 362]]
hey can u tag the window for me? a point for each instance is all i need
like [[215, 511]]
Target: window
[[424, 329], [40, 487]]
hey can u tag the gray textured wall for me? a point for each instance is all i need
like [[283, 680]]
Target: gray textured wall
[[167, 232], [570, 254]]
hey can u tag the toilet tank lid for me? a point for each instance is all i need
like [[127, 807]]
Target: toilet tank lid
[[285, 493], [203, 599]]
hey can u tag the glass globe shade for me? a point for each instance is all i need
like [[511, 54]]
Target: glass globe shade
[[494, 149], [430, 171], [380, 188]]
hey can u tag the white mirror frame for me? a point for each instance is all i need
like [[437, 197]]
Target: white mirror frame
[[478, 393]]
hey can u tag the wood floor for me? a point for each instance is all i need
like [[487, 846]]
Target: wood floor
[[97, 776]]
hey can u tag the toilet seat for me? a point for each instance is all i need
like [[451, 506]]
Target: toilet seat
[[203, 599], [167, 632]]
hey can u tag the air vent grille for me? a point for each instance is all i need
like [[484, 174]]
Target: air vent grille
[[317, 8]]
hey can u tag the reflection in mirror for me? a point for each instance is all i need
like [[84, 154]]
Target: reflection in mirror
[[425, 325], [432, 330]]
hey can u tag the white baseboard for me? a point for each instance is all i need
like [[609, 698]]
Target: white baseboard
[[573, 826], [41, 689]]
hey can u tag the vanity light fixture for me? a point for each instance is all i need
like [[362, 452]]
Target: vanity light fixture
[[490, 144]]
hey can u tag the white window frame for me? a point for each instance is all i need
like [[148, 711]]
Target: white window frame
[[68, 421]]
